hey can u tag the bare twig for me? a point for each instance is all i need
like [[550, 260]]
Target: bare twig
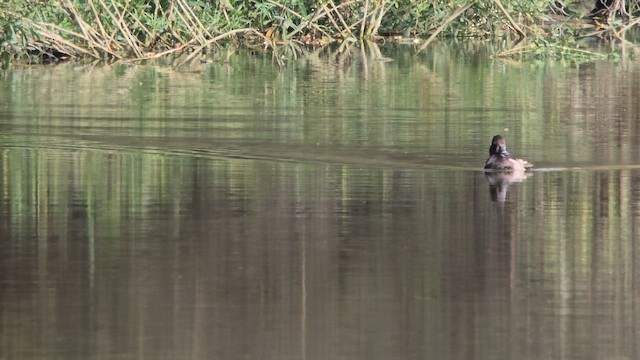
[[346, 27], [142, 26], [380, 9], [322, 12], [628, 26], [311, 21], [509, 19], [332, 20], [362, 26], [179, 14], [188, 21], [219, 37], [187, 9], [95, 14], [162, 54], [613, 8], [84, 27], [44, 29], [597, 33], [59, 40], [370, 15], [445, 24], [126, 32], [119, 22]]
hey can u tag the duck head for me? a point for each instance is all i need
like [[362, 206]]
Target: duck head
[[498, 146]]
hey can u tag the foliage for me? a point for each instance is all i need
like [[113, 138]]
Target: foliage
[[422, 17], [13, 32], [147, 29]]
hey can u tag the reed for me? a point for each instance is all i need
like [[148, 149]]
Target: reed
[[136, 30]]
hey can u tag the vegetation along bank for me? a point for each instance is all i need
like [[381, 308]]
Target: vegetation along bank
[[37, 31]]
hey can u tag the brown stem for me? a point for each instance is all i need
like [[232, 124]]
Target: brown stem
[[331, 19], [346, 27], [215, 39], [366, 9], [509, 19], [444, 25], [311, 22]]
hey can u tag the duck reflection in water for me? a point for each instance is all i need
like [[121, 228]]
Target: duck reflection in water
[[505, 169]]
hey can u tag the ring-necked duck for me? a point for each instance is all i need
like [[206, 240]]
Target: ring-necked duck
[[500, 159]]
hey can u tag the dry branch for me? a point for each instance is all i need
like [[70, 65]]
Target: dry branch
[[380, 10], [362, 26], [336, 27], [187, 9], [164, 53], [509, 19], [47, 31], [103, 33], [311, 22], [445, 24], [346, 27], [122, 26], [219, 37], [59, 41]]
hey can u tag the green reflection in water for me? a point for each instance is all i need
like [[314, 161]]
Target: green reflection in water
[[317, 211]]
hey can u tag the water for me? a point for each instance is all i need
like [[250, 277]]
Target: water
[[331, 209]]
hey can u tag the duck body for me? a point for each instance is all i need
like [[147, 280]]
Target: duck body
[[501, 159]]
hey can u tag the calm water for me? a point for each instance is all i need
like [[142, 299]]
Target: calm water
[[330, 209]]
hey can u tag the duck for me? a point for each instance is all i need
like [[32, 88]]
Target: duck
[[501, 159]]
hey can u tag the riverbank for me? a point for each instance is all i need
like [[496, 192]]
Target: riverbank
[[136, 30]]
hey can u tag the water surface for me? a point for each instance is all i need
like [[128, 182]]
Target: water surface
[[330, 209]]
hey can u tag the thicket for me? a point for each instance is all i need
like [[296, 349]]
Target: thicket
[[45, 30]]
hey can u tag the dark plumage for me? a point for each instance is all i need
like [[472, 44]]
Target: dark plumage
[[500, 159]]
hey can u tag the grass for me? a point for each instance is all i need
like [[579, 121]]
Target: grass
[[135, 30]]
